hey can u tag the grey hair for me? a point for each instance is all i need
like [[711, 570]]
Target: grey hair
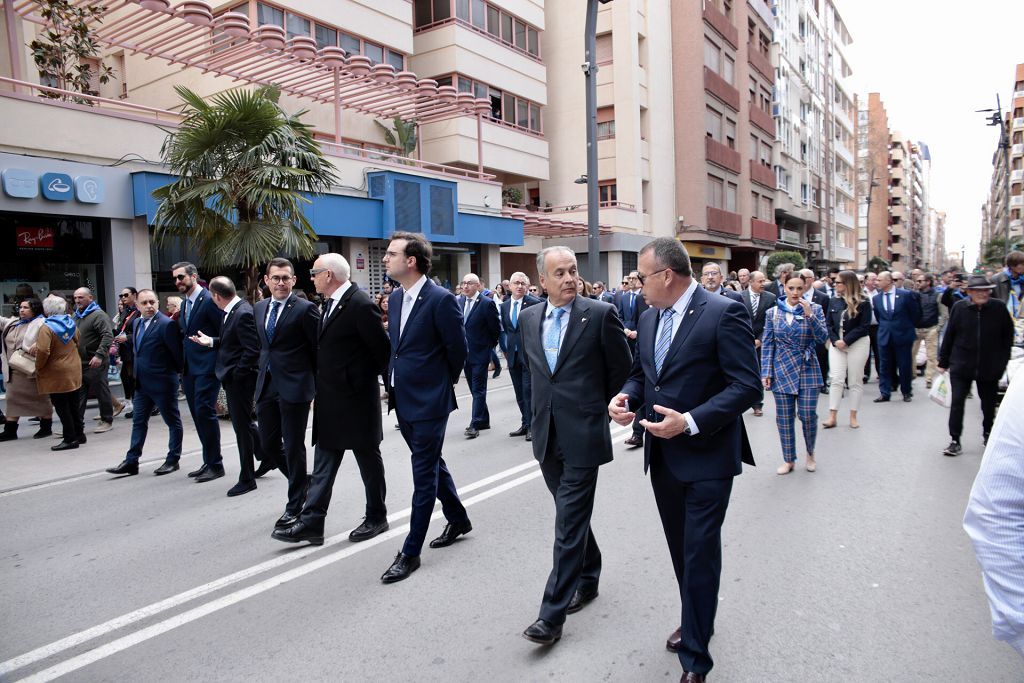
[[472, 277], [54, 305], [784, 268], [755, 273], [190, 268], [338, 265], [711, 263], [543, 254], [670, 253], [806, 272], [524, 275]]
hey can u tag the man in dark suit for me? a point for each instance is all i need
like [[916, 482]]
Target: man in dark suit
[[511, 310], [156, 342], [238, 354], [696, 374], [631, 305], [578, 358], [199, 377], [712, 279], [757, 302], [480, 317], [897, 311], [287, 329], [428, 351], [602, 294], [817, 296], [352, 352], [778, 285]]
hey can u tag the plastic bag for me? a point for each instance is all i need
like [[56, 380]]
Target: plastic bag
[[941, 391]]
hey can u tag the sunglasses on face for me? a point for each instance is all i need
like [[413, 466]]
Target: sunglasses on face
[[179, 278]]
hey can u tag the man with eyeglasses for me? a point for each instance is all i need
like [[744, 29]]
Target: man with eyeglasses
[[480, 318], [601, 294], [287, 328], [199, 377], [928, 325]]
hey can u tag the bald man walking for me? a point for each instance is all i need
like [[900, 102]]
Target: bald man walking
[[480, 318]]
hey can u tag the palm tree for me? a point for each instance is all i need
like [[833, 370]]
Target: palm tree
[[403, 137], [242, 165], [995, 250]]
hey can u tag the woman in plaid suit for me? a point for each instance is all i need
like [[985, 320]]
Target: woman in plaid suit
[[789, 368]]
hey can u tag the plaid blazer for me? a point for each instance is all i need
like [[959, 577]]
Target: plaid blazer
[[787, 351]]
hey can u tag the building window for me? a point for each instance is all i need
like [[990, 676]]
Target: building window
[[607, 191], [297, 26], [326, 37], [712, 55], [716, 190], [730, 134], [730, 197], [505, 106], [729, 70], [713, 124], [603, 48], [605, 123], [482, 16]]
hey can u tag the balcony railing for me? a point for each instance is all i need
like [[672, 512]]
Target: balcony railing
[[722, 24], [720, 88], [724, 221], [762, 175], [763, 230], [762, 120], [723, 156], [570, 208], [761, 64]]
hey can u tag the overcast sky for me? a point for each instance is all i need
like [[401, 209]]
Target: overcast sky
[[934, 63]]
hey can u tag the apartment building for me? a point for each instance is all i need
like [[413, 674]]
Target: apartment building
[[1000, 206], [936, 259], [469, 73], [873, 181]]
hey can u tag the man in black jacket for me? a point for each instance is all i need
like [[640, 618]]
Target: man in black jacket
[[975, 348], [928, 325], [758, 301]]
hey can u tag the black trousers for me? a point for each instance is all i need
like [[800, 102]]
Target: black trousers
[[66, 407], [240, 390], [521, 382], [128, 377], [576, 556], [692, 513], [821, 350], [283, 435], [987, 391], [326, 462], [201, 394], [873, 356], [96, 379]]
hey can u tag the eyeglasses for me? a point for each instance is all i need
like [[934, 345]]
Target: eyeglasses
[[179, 278], [124, 296], [464, 284], [316, 271], [643, 278], [280, 278]]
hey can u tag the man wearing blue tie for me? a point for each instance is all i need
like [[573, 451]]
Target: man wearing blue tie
[[480, 318], [898, 311], [511, 308]]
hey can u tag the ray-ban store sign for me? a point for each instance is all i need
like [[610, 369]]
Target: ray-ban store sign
[[55, 187]]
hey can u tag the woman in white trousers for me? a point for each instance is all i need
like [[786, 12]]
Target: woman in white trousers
[[848, 318]]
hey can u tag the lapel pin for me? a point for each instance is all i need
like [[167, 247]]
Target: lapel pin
[[583, 320]]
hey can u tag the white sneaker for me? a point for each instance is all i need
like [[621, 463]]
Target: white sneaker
[[103, 427]]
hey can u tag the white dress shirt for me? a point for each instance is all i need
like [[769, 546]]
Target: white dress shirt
[[231, 305], [270, 309], [680, 307], [336, 297], [995, 518]]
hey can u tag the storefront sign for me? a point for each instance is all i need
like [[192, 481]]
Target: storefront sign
[[56, 187], [20, 183], [34, 238], [790, 236], [89, 189]]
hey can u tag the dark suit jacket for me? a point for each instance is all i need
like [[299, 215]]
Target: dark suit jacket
[[352, 352], [711, 371], [775, 288], [205, 316], [630, 319], [977, 340], [900, 326], [593, 362], [159, 358], [848, 328], [766, 301], [482, 329], [428, 358], [291, 357], [735, 296], [821, 298], [238, 346], [514, 335]]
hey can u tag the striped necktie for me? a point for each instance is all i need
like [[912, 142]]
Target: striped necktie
[[664, 339]]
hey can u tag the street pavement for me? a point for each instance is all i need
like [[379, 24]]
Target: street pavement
[[860, 571]]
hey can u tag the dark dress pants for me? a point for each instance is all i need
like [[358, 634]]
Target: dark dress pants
[[283, 435], [96, 379], [66, 406], [692, 513], [893, 357], [521, 382], [128, 377], [326, 462], [142, 405], [476, 378], [201, 394], [431, 480], [576, 556], [961, 386], [240, 389], [873, 356], [821, 350]]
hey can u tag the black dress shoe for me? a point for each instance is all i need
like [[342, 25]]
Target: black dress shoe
[[690, 677], [881, 399], [297, 533], [522, 431], [166, 468], [481, 428], [285, 520], [240, 488], [472, 433], [675, 641], [129, 415], [580, 600], [497, 371], [529, 436], [823, 390], [211, 473], [64, 446], [401, 568], [450, 533], [266, 465], [634, 441], [125, 468], [908, 398], [195, 473], [368, 529], [543, 632]]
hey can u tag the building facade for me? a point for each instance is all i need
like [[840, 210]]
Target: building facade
[[1005, 200]]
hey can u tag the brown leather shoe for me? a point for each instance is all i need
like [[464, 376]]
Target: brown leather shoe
[[634, 441], [675, 641], [690, 677]]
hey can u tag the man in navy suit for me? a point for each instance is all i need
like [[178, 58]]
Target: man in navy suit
[[428, 351], [199, 377], [480, 316], [898, 311], [696, 373], [238, 354], [287, 329], [602, 294], [511, 308], [156, 341], [817, 296], [631, 305]]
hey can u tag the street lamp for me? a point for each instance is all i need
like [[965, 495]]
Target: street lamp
[[593, 203], [996, 119]]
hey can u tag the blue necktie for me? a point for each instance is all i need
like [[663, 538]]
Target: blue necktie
[[888, 303], [142, 333], [188, 310], [553, 339], [272, 322], [664, 339], [515, 314]]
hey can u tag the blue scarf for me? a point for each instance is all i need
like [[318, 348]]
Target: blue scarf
[[784, 305], [26, 322], [63, 327], [1017, 280], [87, 310], [958, 294]]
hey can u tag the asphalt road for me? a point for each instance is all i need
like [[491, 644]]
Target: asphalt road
[[859, 571]]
